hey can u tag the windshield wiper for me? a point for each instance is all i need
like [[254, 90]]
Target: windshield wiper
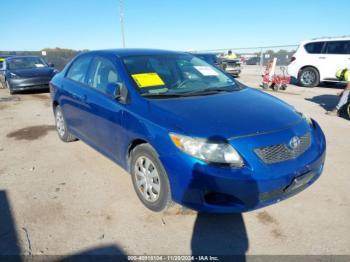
[[209, 91]]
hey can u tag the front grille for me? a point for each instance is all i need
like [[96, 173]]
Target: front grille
[[282, 152]]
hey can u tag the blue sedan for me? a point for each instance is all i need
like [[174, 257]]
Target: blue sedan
[[186, 131]]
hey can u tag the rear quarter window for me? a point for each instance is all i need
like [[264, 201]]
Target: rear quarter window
[[314, 48]]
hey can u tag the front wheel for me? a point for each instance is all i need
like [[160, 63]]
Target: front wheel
[[309, 77], [61, 126], [7, 86], [149, 178]]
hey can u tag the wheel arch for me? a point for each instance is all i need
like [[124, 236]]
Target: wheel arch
[[54, 105], [132, 145]]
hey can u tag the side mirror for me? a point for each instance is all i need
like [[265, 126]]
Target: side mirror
[[51, 65], [118, 91]]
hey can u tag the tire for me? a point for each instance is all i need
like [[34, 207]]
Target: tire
[[149, 178], [276, 87], [61, 126], [7, 85], [346, 111], [265, 86], [309, 77]]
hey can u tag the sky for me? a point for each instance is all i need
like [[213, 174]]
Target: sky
[[168, 24]]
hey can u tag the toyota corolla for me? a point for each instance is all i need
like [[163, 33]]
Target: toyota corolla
[[186, 131]]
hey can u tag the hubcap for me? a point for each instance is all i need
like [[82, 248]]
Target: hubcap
[[147, 179], [60, 123], [308, 77]]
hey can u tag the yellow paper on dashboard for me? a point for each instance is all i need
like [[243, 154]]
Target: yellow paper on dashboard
[[147, 80]]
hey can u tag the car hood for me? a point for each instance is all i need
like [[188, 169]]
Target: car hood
[[224, 115], [34, 72]]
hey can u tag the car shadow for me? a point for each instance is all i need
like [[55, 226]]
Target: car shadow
[[9, 245], [338, 85], [328, 102], [34, 92], [222, 235], [108, 253]]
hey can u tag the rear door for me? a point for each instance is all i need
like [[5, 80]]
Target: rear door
[[314, 56], [73, 96], [336, 56]]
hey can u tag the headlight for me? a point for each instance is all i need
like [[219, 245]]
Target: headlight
[[13, 75], [222, 153], [306, 118]]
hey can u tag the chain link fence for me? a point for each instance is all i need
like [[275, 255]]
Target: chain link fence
[[254, 59]]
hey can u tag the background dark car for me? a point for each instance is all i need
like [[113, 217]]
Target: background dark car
[[21, 73], [253, 61]]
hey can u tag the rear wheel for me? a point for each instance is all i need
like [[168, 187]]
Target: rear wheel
[[276, 87], [309, 77], [61, 126], [149, 178]]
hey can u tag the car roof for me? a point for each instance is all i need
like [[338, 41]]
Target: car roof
[[327, 39], [134, 51]]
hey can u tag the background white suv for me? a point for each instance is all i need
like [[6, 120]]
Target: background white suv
[[318, 60]]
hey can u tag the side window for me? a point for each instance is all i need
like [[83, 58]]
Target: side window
[[314, 48], [338, 47], [79, 68], [347, 47], [102, 73]]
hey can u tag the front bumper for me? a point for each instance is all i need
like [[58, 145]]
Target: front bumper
[[233, 71], [222, 189], [21, 84]]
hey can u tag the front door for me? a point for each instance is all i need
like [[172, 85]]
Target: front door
[[104, 113]]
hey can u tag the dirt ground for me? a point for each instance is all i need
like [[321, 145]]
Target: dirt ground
[[65, 198]]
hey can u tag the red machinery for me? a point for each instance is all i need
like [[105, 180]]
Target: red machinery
[[273, 81]]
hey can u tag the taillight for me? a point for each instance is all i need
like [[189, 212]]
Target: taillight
[[292, 59]]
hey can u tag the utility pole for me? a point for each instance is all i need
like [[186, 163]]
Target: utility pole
[[121, 17]]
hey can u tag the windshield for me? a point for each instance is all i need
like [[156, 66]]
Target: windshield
[[176, 74], [25, 62]]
